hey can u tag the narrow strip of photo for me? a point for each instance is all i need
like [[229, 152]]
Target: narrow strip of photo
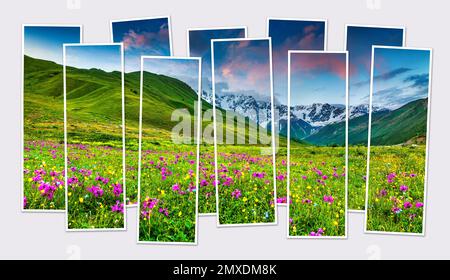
[[43, 115], [398, 140], [199, 45], [317, 153], [94, 137], [140, 37], [244, 147], [168, 150], [289, 34], [359, 40]]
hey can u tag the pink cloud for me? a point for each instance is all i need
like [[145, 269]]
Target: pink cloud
[[334, 63]]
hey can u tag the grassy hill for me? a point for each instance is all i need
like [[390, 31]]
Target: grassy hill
[[388, 128], [94, 103]]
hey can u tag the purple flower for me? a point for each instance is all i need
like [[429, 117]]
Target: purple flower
[[176, 188], [204, 183], [259, 175], [164, 211], [419, 204], [118, 207], [95, 190], [328, 198], [403, 188], [117, 189], [24, 201], [383, 192], [236, 194], [407, 205]]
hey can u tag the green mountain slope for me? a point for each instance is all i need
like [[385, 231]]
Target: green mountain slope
[[388, 128]]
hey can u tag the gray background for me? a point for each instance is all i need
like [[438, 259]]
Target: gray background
[[43, 236]]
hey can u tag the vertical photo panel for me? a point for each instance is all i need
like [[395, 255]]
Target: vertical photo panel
[[244, 153], [143, 36], [168, 164], [43, 115], [317, 206], [359, 42], [199, 45], [94, 131], [288, 34], [398, 140]]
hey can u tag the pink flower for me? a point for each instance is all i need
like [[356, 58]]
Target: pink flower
[[407, 205], [419, 204], [403, 188], [236, 194], [328, 198], [176, 187]]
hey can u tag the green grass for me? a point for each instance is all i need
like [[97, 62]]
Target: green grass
[[245, 185], [317, 191], [391, 206]]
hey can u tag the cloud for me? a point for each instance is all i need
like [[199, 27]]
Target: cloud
[[385, 76], [320, 62], [138, 40], [418, 81]]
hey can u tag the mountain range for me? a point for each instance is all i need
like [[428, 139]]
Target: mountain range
[[324, 124]]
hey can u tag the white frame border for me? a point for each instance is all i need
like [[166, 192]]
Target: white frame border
[[325, 48], [189, 55], [345, 48], [345, 236], [199, 91], [275, 222], [22, 181], [124, 228], [425, 185]]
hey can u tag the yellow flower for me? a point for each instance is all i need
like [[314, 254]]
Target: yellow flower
[[42, 191], [308, 187], [30, 179], [256, 200], [81, 200], [69, 194], [335, 223], [179, 214], [244, 199], [163, 192]]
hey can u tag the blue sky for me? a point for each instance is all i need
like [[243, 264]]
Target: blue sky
[[318, 78], [400, 76], [291, 35], [104, 57], [46, 42], [242, 67], [359, 46], [200, 46], [185, 70], [142, 37]]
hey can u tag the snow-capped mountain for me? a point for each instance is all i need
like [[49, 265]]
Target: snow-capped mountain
[[317, 115]]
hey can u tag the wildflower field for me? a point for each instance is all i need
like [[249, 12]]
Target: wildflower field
[[95, 193], [317, 191], [168, 193], [43, 175], [245, 186], [396, 192]]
